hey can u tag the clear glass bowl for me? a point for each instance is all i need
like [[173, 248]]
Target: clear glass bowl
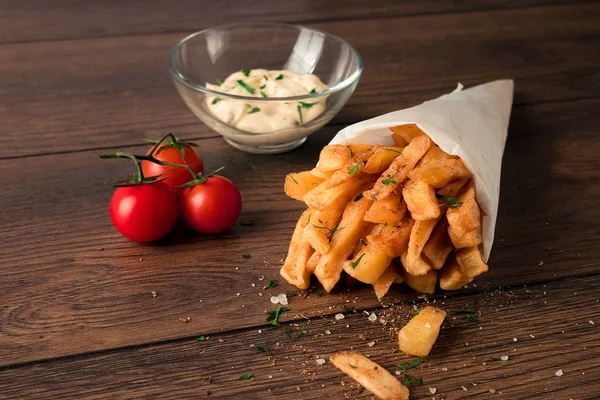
[[212, 54]]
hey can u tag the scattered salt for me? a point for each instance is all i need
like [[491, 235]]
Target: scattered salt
[[339, 316], [320, 361], [432, 390], [254, 285], [504, 358], [274, 299], [328, 332], [559, 372], [282, 299], [372, 317], [398, 373], [259, 331], [444, 369], [371, 344], [270, 376], [515, 339], [427, 325]]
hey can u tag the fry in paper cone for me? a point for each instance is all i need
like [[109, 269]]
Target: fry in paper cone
[[417, 187]]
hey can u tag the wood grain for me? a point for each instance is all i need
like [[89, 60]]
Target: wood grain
[[74, 95], [70, 284], [551, 334], [42, 20]]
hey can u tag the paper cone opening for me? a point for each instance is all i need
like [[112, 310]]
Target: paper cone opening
[[471, 124]]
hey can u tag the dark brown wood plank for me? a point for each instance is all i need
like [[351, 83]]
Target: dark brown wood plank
[[552, 325], [52, 92], [44, 20], [70, 284]]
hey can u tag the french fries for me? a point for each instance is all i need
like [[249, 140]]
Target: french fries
[[417, 337], [370, 375], [371, 208]]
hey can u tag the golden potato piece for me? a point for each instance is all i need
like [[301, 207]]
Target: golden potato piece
[[369, 265], [312, 262], [322, 197], [370, 375], [353, 167], [434, 153], [382, 159], [420, 200], [434, 173], [451, 278], [384, 282], [421, 283], [321, 174], [465, 217], [419, 235], [356, 148], [389, 210], [334, 157], [323, 225], [470, 261], [469, 239], [417, 337], [397, 172], [453, 188], [298, 184], [294, 268], [392, 240], [420, 266], [439, 246], [407, 132], [330, 265]]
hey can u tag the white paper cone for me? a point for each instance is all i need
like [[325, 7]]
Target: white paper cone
[[471, 124]]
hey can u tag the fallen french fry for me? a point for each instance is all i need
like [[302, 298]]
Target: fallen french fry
[[294, 268], [418, 336], [370, 375]]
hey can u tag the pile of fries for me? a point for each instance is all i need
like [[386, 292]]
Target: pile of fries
[[384, 215]]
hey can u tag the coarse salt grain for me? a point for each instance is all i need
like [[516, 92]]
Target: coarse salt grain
[[371, 344], [274, 300], [320, 361], [282, 299], [432, 390], [398, 373], [339, 316], [444, 369], [559, 372], [328, 332], [427, 325], [504, 358], [259, 331], [515, 339], [254, 285], [372, 317]]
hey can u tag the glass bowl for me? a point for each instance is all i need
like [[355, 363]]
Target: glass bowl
[[211, 55]]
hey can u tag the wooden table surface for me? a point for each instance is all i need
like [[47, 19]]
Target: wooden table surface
[[77, 317]]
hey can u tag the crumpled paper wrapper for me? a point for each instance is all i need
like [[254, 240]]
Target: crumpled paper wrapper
[[471, 124]]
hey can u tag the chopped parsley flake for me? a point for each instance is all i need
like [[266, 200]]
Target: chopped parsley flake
[[272, 283], [263, 94], [353, 170], [219, 82], [292, 178], [388, 181], [201, 339], [208, 379], [289, 294], [246, 71], [413, 364], [280, 77], [216, 100], [453, 202], [306, 105], [288, 332], [355, 263], [352, 366], [299, 108], [319, 293], [470, 315], [410, 380], [245, 377], [264, 348], [246, 255], [254, 110], [273, 316], [360, 196], [263, 86], [313, 91], [243, 84]]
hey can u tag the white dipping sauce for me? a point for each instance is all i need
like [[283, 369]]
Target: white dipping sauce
[[266, 117]]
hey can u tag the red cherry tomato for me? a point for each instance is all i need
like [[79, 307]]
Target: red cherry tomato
[[145, 212], [176, 176], [212, 206]]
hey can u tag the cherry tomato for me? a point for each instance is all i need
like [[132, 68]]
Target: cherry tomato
[[145, 212], [176, 176], [212, 206]]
